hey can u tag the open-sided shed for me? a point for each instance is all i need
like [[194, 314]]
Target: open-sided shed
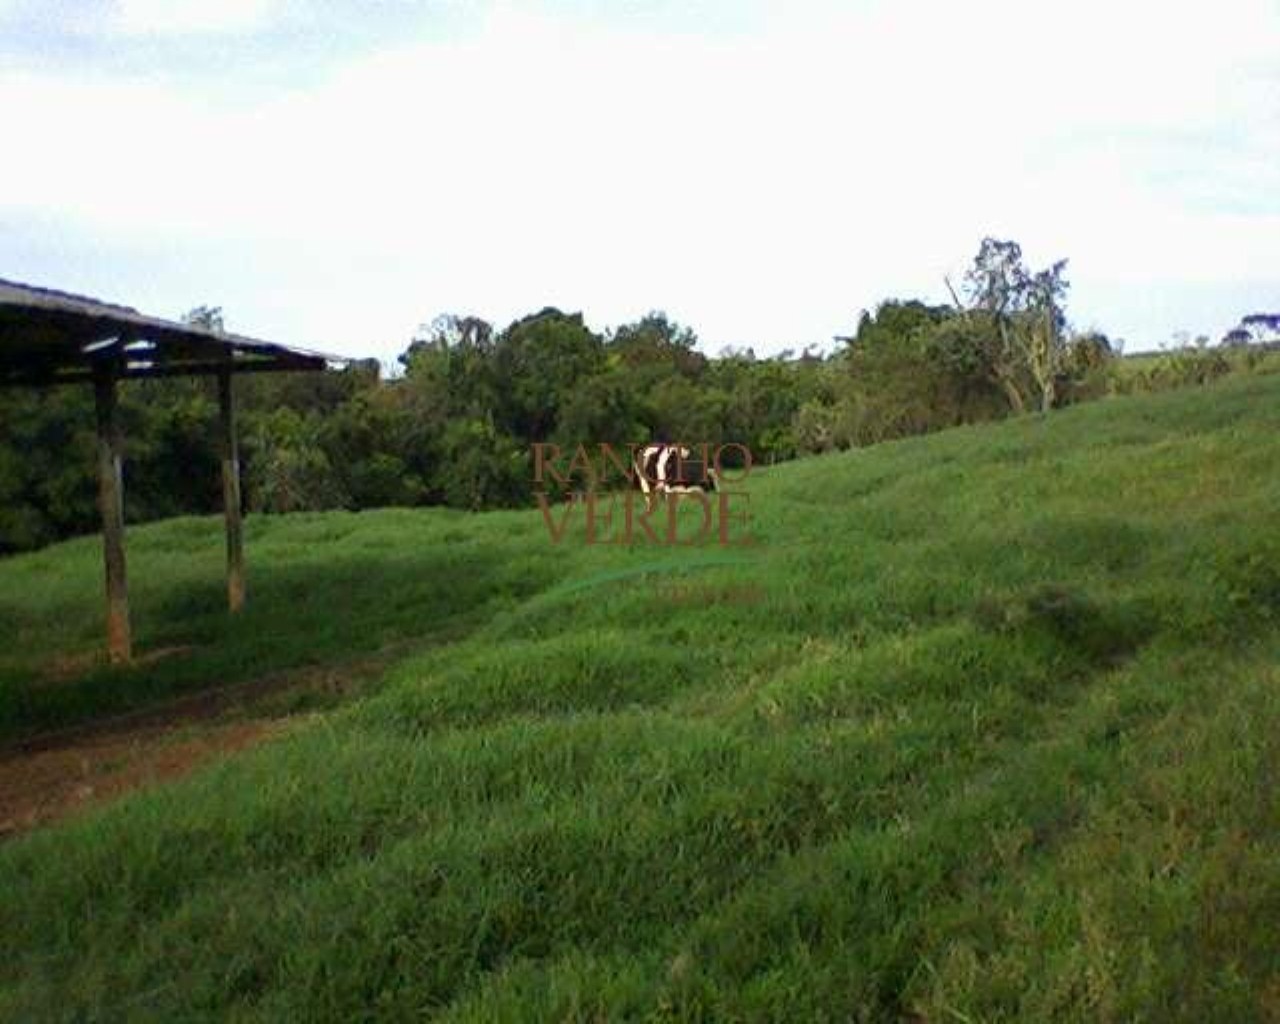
[[49, 337]]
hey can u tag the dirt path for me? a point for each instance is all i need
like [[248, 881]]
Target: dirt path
[[52, 783], [54, 775]]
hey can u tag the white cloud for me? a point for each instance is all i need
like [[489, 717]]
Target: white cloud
[[762, 187], [190, 17]]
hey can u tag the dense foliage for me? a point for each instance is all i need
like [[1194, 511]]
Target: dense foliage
[[454, 428]]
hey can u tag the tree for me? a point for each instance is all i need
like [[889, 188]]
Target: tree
[[604, 408], [1024, 314], [483, 467], [996, 286], [539, 362], [208, 317], [657, 341], [1044, 331], [450, 368], [287, 471], [912, 367]]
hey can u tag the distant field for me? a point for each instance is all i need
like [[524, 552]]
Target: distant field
[[1249, 359], [987, 727]]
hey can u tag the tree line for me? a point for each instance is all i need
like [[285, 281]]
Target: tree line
[[456, 425]]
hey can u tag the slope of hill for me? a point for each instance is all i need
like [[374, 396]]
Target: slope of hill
[[986, 726]]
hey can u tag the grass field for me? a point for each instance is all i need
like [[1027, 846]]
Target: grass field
[[985, 727]]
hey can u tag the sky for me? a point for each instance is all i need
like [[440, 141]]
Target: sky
[[334, 173]]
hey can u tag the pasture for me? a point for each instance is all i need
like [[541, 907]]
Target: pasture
[[985, 727]]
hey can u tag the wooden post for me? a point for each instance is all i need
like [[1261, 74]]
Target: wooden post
[[111, 506], [231, 493]]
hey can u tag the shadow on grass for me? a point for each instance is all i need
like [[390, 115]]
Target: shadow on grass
[[333, 611]]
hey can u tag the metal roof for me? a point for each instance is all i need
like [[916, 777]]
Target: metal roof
[[52, 337]]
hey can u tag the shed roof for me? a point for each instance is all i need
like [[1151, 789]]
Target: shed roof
[[51, 337]]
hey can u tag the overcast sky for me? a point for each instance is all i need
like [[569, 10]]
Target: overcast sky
[[335, 173]]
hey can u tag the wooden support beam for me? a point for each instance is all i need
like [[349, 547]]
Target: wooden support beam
[[111, 506], [231, 492]]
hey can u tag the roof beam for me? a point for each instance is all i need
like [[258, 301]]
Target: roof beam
[[25, 378]]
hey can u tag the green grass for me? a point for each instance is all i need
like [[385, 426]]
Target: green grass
[[986, 727], [324, 588]]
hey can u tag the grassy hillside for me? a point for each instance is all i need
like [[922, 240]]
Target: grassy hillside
[[987, 726]]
